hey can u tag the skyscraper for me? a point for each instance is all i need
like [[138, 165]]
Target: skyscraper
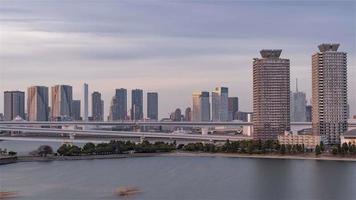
[[308, 113], [121, 100], [97, 107], [86, 102], [219, 101], [271, 95], [233, 107], [329, 93], [14, 105], [188, 114], [201, 106], [118, 107], [298, 105], [136, 104], [37, 103], [76, 110], [152, 105], [62, 97]]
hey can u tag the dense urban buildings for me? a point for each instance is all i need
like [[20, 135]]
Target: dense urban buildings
[[136, 104], [244, 116], [152, 105], [14, 105], [219, 103], [86, 101], [233, 107], [97, 106], [61, 102], [271, 95], [37, 103], [298, 106], [76, 110], [201, 106], [329, 93]]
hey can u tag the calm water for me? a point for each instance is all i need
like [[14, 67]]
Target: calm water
[[183, 178]]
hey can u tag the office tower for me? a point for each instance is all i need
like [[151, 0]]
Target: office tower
[[233, 107], [76, 110], [243, 116], [61, 102], [86, 103], [121, 100], [201, 106], [152, 105], [97, 106], [298, 103], [118, 106], [177, 115], [37, 103], [188, 114], [136, 104], [329, 93], [14, 105], [219, 102], [113, 114], [271, 95], [308, 113]]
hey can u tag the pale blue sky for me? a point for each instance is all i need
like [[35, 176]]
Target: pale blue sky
[[173, 47]]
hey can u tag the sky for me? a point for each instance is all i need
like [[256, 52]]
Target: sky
[[169, 46]]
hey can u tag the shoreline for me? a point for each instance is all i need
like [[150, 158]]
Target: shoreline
[[184, 154], [264, 156]]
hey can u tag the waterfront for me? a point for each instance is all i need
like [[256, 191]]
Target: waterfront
[[182, 178]]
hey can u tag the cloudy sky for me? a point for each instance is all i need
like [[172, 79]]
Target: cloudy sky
[[173, 47]]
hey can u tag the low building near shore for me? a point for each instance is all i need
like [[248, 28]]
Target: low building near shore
[[349, 137], [309, 141]]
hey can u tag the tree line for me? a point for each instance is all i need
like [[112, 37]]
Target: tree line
[[115, 147], [244, 146]]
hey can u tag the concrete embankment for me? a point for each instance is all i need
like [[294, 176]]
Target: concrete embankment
[[84, 157], [7, 160]]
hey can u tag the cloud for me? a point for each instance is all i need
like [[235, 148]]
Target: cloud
[[173, 47]]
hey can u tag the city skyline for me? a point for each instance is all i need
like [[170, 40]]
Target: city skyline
[[209, 52]]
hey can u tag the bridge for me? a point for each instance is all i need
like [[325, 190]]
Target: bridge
[[51, 128], [127, 134]]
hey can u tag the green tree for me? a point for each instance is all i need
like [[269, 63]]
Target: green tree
[[344, 148], [282, 149], [322, 146], [89, 148], [317, 150], [63, 150], [12, 153]]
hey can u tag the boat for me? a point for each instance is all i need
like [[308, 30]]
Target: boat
[[127, 191]]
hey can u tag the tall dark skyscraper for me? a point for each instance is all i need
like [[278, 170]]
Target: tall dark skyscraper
[[62, 97], [201, 107], [136, 104], [308, 113], [76, 110], [329, 93], [118, 107], [121, 98], [152, 105], [233, 107], [14, 105], [37, 103], [97, 107], [188, 114], [271, 95]]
